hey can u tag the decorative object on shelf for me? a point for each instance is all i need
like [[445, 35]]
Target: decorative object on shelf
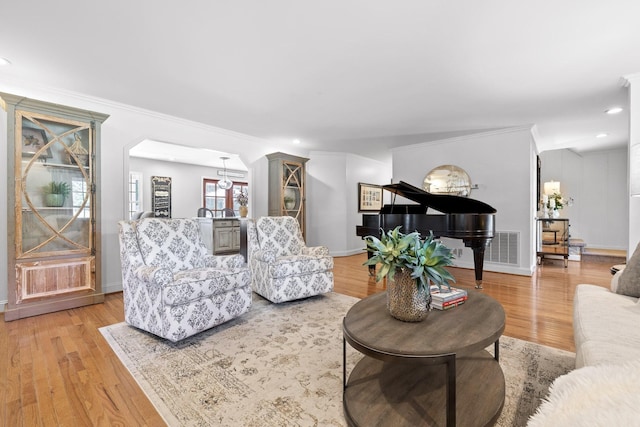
[[289, 202], [448, 179], [369, 197], [552, 204], [225, 183], [79, 151], [243, 199], [33, 140], [410, 265], [56, 193]]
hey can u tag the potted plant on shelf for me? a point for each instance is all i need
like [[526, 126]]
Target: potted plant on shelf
[[410, 265], [55, 193], [289, 202]]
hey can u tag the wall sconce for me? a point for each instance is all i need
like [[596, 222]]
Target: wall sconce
[[225, 183], [551, 188]]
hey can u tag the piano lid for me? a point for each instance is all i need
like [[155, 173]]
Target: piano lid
[[444, 203]]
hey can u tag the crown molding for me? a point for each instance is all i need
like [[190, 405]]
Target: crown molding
[[627, 79], [36, 90]]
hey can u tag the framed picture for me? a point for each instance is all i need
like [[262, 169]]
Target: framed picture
[[369, 197], [33, 140]]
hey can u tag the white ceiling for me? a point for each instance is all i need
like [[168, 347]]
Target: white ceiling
[[355, 75]]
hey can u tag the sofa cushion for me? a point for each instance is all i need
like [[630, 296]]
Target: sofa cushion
[[629, 280], [602, 321], [195, 284]]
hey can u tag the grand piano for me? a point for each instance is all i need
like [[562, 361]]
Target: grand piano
[[459, 218]]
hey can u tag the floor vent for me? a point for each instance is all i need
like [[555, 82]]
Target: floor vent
[[503, 248]]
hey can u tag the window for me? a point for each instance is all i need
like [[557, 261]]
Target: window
[[78, 194], [217, 199], [135, 193]]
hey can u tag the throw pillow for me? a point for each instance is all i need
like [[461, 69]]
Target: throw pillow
[[629, 280]]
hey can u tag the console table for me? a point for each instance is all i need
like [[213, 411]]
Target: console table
[[434, 372]]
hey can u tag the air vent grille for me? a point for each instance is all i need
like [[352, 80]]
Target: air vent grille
[[503, 248]]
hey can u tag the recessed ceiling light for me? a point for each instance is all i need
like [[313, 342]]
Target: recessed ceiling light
[[602, 135], [4, 61], [296, 141], [613, 110]]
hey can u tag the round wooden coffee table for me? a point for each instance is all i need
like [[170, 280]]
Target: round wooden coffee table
[[401, 380]]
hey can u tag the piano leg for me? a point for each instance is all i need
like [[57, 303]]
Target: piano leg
[[478, 259], [372, 268]]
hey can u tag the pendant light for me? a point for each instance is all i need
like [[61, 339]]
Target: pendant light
[[225, 183]]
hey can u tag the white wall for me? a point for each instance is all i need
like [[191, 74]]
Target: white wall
[[633, 82], [597, 181], [332, 180], [501, 164]]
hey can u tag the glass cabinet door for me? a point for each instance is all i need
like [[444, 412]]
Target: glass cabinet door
[[287, 187], [292, 175], [54, 182]]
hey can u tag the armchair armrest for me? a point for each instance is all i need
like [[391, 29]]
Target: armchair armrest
[[155, 275], [224, 261], [316, 250], [265, 256]]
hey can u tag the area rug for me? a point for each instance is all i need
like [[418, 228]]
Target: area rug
[[281, 365]]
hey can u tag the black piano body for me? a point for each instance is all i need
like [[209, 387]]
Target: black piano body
[[471, 220]]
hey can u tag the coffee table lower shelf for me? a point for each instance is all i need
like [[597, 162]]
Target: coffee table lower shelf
[[411, 394]]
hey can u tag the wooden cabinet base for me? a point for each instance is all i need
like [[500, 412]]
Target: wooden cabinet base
[[34, 308], [411, 394]]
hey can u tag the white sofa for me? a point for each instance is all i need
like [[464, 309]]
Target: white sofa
[[606, 326], [604, 389]]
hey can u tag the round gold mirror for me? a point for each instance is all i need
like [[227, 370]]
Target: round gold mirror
[[448, 179]]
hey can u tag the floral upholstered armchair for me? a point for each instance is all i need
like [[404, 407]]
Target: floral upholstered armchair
[[172, 287], [283, 268]]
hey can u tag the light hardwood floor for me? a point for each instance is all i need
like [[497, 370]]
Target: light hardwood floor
[[56, 369]]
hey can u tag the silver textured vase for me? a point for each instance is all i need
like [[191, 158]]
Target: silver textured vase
[[404, 300]]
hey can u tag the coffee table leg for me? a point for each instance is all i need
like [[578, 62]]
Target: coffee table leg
[[451, 390], [344, 363], [496, 350]]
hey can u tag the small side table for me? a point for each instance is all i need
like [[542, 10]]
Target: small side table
[[617, 267]]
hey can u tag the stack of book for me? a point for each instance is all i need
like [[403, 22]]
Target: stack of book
[[447, 298]]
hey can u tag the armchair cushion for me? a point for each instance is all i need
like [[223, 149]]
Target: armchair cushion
[[296, 265], [198, 283]]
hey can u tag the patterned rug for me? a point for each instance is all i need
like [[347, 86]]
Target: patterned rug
[[281, 365]]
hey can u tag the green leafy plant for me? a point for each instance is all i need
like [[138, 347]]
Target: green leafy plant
[[425, 259], [57, 187], [557, 198]]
